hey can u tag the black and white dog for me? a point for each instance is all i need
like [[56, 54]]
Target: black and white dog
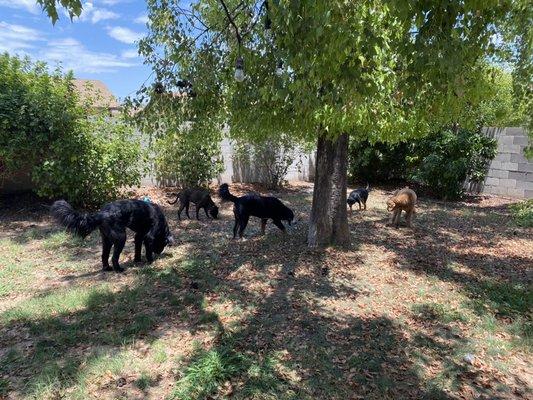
[[359, 196], [144, 218], [255, 205]]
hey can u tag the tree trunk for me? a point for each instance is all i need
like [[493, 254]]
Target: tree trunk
[[328, 223]]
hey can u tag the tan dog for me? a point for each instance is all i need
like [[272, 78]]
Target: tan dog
[[403, 199]]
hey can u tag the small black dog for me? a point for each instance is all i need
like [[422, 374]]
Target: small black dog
[[144, 218], [200, 197], [358, 196], [264, 207]]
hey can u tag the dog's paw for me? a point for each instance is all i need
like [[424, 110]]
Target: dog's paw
[[118, 269]]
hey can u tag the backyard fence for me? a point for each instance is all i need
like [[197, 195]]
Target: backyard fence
[[510, 173]]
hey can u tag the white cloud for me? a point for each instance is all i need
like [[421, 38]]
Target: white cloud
[[103, 14], [17, 38], [95, 14], [124, 35], [69, 52], [113, 2], [75, 56], [28, 5], [141, 19], [132, 53]]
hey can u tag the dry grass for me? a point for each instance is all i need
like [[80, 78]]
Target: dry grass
[[391, 318]]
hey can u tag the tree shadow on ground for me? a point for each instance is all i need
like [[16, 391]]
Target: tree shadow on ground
[[289, 344], [460, 245]]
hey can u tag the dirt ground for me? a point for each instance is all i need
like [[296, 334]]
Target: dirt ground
[[439, 311]]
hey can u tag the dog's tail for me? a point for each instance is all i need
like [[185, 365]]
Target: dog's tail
[[177, 198], [223, 192], [368, 187], [75, 222]]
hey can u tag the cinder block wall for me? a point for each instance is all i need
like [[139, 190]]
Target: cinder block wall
[[510, 173]]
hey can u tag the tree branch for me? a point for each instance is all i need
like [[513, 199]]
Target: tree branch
[[232, 22]]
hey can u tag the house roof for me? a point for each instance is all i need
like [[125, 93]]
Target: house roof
[[97, 92]]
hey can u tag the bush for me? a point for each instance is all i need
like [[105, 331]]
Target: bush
[[523, 213], [91, 166], [444, 160], [440, 162], [378, 162], [189, 156], [71, 152]]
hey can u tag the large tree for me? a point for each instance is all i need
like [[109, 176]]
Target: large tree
[[321, 69]]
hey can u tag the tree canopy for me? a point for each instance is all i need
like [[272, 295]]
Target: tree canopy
[[386, 67]]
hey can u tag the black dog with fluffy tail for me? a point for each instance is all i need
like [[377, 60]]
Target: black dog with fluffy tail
[[254, 205], [144, 218]]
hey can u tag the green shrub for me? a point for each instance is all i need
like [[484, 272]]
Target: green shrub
[[442, 162], [523, 213], [71, 152], [91, 165], [188, 156], [378, 162]]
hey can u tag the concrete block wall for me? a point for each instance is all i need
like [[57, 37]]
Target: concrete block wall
[[510, 173]]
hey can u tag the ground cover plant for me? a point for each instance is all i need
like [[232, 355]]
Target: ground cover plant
[[442, 311]]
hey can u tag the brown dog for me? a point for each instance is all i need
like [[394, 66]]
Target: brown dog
[[404, 199]]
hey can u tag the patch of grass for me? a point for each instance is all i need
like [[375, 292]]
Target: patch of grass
[[496, 347], [504, 306], [62, 239], [35, 234], [523, 213], [52, 303], [207, 370], [140, 325], [15, 276], [208, 318], [159, 352], [144, 381], [438, 312]]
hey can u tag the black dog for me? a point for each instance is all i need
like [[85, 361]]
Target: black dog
[[264, 207], [358, 196], [200, 197], [144, 218]]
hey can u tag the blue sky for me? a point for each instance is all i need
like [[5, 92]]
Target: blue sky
[[98, 45]]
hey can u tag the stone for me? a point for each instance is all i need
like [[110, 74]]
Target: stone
[[518, 193], [525, 167], [519, 158], [524, 184], [509, 166], [498, 173], [521, 140], [492, 181], [508, 183], [469, 358]]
